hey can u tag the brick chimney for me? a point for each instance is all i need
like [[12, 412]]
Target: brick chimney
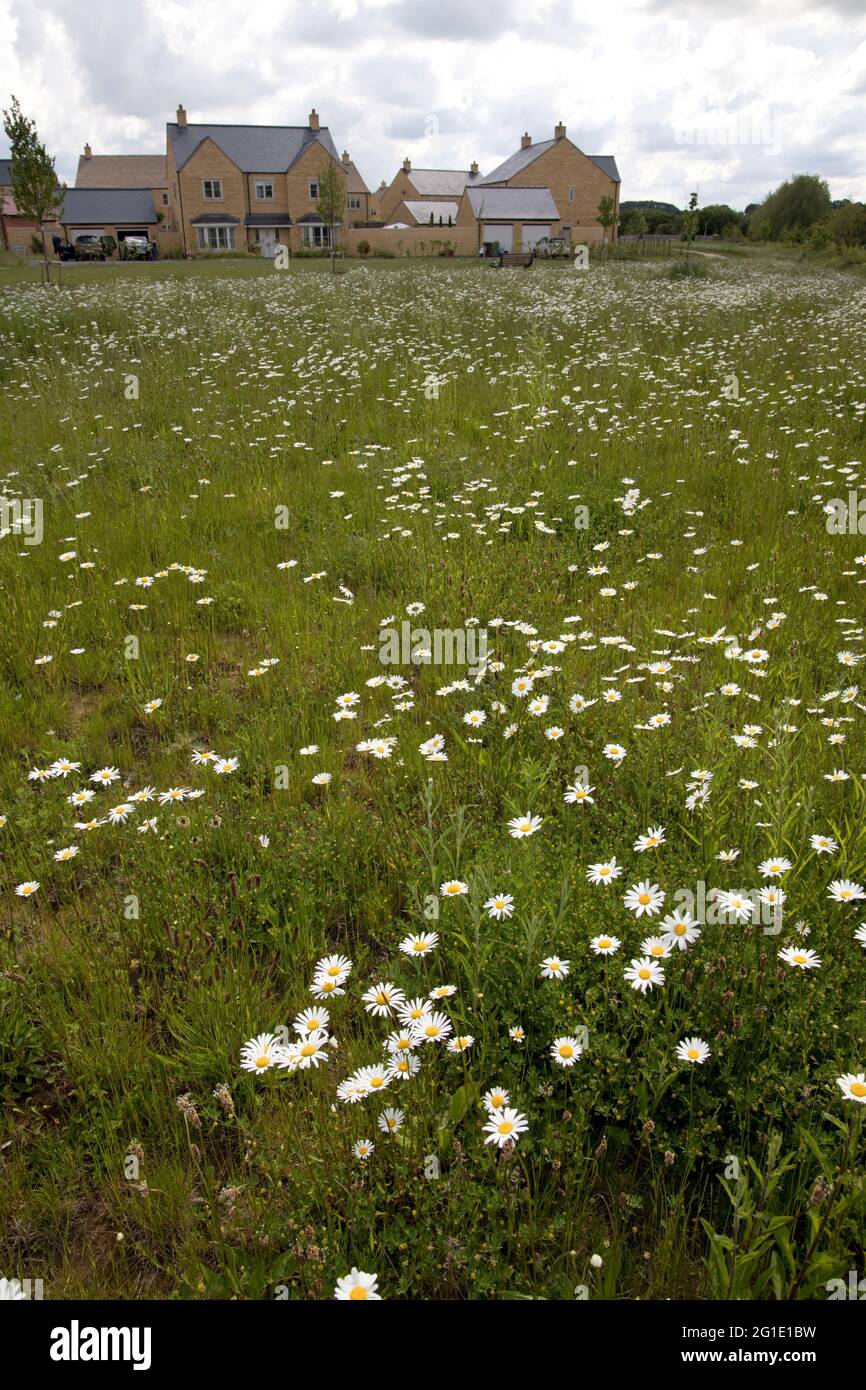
[[407, 165], [525, 141], [88, 152], [314, 119], [473, 168], [181, 117], [344, 157], [559, 131]]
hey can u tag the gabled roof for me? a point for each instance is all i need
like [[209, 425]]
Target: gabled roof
[[441, 183], [521, 159], [121, 171], [512, 204], [254, 149], [95, 206], [607, 165], [423, 211], [354, 181], [517, 162], [5, 173]]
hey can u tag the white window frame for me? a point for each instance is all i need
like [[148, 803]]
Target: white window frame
[[263, 196], [213, 196], [165, 200], [223, 238], [317, 236], [571, 194], [313, 190], [353, 202]]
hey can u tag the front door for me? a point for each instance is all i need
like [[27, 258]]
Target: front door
[[268, 241]]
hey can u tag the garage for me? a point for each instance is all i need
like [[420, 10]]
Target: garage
[[503, 232], [532, 234]]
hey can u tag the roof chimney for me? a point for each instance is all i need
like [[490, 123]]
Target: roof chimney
[[473, 168], [559, 131], [314, 120], [181, 117], [345, 157], [525, 141], [407, 165], [88, 152]]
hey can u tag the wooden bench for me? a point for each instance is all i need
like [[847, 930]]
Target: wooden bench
[[524, 258]]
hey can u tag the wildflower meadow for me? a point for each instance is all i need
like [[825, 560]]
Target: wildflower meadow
[[433, 799]]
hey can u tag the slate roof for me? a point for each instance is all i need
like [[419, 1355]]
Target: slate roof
[[513, 204], [6, 173], [421, 211], [254, 149], [354, 180], [442, 183], [521, 159], [121, 171], [215, 219], [98, 206], [267, 219]]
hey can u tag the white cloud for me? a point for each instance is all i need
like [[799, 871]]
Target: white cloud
[[685, 94]]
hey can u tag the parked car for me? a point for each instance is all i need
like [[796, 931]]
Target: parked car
[[89, 247], [137, 248]]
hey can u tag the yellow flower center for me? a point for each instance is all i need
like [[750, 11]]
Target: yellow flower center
[[644, 898], [858, 1089], [419, 945], [506, 1127], [680, 929], [566, 1050], [381, 998], [308, 1050], [263, 1061], [800, 959], [431, 1030], [692, 1054], [644, 974], [375, 1081], [333, 970], [604, 943]]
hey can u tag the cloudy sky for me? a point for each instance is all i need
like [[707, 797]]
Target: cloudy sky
[[726, 96]]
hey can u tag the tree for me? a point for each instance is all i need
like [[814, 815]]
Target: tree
[[690, 222], [605, 216], [34, 182], [632, 222], [331, 202], [792, 208]]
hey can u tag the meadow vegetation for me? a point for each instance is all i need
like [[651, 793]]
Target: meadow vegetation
[[253, 874]]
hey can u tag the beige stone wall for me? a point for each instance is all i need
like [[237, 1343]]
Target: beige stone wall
[[417, 241], [209, 162]]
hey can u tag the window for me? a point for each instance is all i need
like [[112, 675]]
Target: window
[[317, 236], [354, 202], [571, 195], [264, 190], [216, 238], [165, 200], [314, 190], [213, 188]]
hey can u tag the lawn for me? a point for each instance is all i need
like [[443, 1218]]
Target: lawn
[[584, 903]]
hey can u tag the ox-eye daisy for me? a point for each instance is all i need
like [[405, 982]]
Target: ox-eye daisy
[[693, 1050], [356, 1286]]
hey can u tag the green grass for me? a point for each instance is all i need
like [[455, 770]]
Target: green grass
[[424, 434]]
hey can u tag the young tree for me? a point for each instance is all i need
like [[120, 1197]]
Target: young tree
[[34, 182], [332, 202], [690, 222], [605, 216]]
